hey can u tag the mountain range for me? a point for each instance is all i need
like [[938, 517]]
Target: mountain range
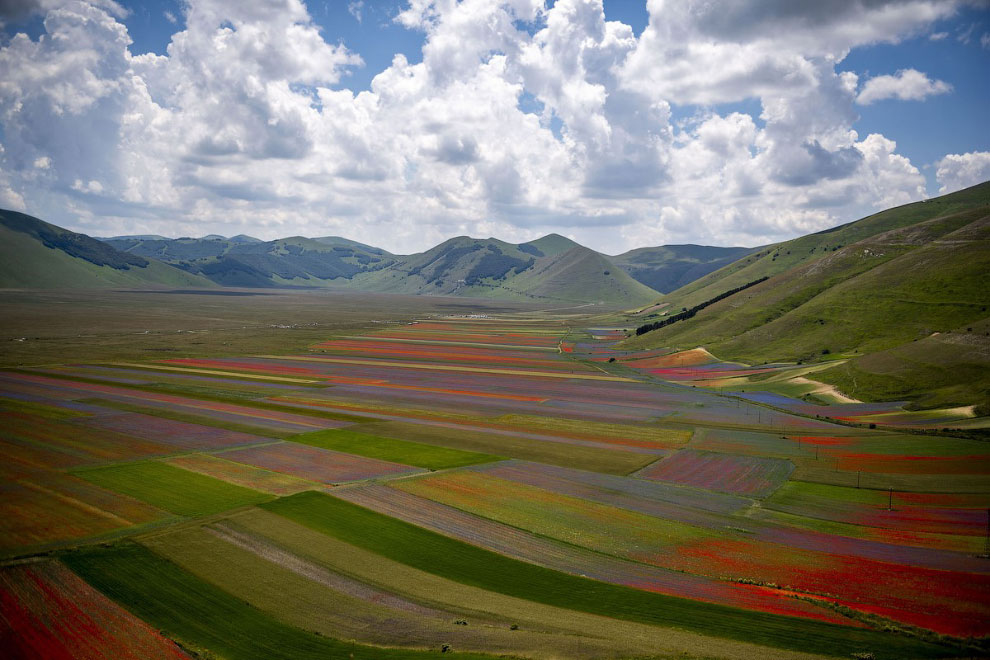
[[552, 268], [897, 299]]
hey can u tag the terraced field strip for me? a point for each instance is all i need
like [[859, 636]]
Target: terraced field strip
[[49, 508], [457, 392], [165, 414], [240, 474], [438, 342], [38, 409], [951, 552], [173, 489], [206, 617], [212, 372], [639, 440], [552, 631], [952, 607], [77, 443], [418, 454], [671, 501], [458, 561], [151, 396], [315, 464], [46, 611], [307, 595], [172, 432], [727, 473], [601, 527], [567, 452], [443, 367], [712, 511], [913, 512]]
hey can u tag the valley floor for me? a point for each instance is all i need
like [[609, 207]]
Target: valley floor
[[490, 481]]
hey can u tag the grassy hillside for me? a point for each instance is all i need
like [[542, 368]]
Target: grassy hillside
[[246, 262], [782, 257], [35, 254], [581, 274], [669, 267], [881, 300], [550, 245], [490, 268]]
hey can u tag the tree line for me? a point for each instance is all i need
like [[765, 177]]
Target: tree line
[[688, 313]]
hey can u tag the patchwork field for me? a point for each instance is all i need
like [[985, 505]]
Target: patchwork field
[[499, 484]]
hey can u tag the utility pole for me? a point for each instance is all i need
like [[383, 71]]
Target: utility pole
[[890, 499], [858, 475]]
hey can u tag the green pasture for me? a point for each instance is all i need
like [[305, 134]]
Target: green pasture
[[475, 566], [493, 443], [418, 454], [203, 616], [173, 489]]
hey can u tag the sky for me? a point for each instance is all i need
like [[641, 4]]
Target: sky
[[401, 123]]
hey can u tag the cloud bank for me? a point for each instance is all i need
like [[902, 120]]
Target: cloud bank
[[518, 121]]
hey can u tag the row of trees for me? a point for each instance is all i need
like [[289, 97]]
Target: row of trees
[[688, 313]]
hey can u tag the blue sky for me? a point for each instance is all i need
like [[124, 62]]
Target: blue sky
[[716, 123]]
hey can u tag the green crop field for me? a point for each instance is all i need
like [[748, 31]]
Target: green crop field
[[202, 616], [418, 454], [494, 443], [173, 489], [471, 565]]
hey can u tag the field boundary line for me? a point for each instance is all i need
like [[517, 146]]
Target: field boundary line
[[437, 367], [210, 372]]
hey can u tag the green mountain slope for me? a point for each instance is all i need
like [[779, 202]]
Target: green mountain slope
[[550, 245], [490, 268], [248, 262], [669, 267], [583, 275], [778, 258], [911, 272], [35, 254]]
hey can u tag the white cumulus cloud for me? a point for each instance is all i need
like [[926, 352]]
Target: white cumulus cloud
[[958, 171], [905, 85], [518, 120]]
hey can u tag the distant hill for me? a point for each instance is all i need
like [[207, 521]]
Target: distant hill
[[550, 245], [909, 282], [35, 254], [346, 242], [248, 262], [552, 268], [669, 267]]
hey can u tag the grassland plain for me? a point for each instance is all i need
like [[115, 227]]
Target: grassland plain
[[92, 326], [418, 454], [173, 489], [474, 566]]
